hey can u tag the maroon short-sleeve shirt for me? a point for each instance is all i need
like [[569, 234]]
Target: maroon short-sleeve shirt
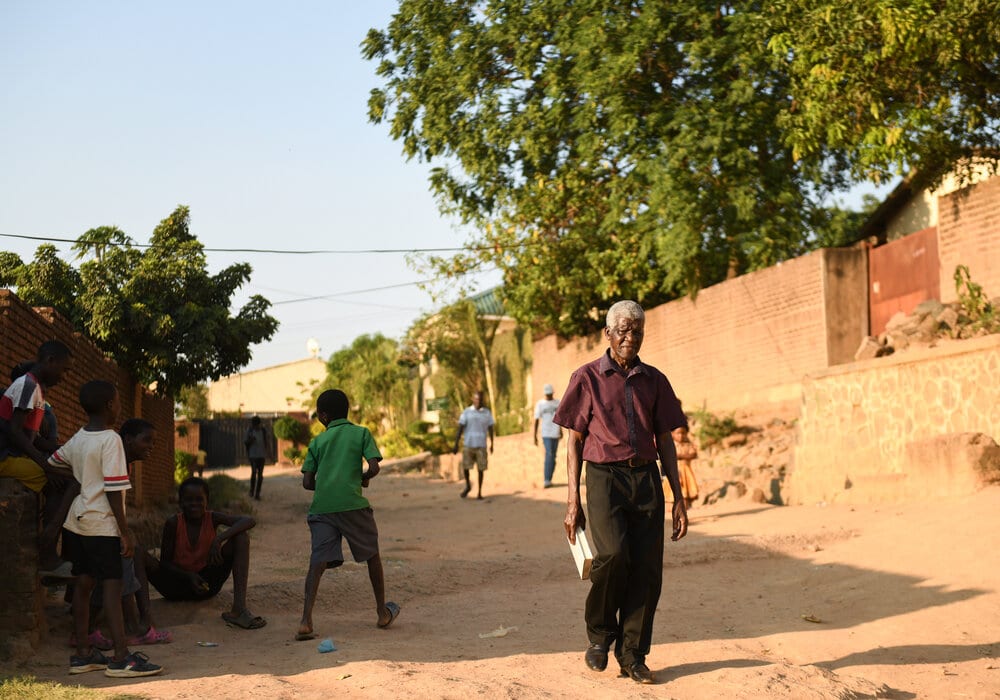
[[619, 413]]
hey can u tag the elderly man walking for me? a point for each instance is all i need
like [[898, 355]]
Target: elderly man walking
[[619, 413]]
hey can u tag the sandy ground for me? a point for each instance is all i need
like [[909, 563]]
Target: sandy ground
[[906, 598]]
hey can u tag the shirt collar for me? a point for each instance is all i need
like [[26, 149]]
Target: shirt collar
[[608, 365], [335, 423]]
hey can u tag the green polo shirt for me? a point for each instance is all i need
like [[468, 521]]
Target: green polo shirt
[[337, 457]]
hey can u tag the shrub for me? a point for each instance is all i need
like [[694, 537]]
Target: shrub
[[183, 461], [982, 315], [711, 428], [295, 455], [287, 428], [226, 493]]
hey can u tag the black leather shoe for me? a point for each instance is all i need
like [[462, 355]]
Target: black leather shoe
[[639, 672], [596, 657]]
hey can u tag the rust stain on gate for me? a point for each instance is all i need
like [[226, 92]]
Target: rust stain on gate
[[901, 274]]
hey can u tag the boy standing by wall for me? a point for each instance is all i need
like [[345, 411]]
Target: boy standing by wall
[[96, 534], [332, 471]]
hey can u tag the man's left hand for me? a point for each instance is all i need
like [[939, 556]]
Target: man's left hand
[[680, 517]]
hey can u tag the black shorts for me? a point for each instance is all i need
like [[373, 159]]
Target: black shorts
[[97, 557], [173, 586]]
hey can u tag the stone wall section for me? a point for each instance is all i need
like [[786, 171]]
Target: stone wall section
[[858, 423]]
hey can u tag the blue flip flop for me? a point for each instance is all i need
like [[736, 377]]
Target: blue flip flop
[[393, 614]]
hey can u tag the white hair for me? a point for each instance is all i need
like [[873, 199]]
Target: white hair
[[624, 309]]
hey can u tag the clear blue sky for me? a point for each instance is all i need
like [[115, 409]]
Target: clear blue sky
[[254, 115], [251, 113]]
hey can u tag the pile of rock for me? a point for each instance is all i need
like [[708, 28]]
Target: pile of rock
[[751, 463], [922, 327]]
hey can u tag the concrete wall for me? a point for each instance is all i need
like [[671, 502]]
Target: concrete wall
[[278, 389], [746, 341], [863, 426]]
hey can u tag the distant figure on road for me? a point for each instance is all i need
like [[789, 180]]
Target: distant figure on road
[[256, 444], [476, 422], [545, 409]]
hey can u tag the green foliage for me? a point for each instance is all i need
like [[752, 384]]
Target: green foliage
[[156, 311], [601, 150], [885, 86], [192, 401], [295, 454], [291, 429], [710, 429], [183, 462], [377, 380], [227, 494], [983, 316], [29, 688]]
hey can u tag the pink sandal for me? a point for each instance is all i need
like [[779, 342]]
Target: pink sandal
[[152, 636], [96, 640]]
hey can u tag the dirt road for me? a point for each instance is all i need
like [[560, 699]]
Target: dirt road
[[904, 603]]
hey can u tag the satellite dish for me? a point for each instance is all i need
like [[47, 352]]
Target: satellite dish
[[312, 347]]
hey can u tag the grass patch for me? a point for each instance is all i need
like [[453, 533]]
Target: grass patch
[[28, 688]]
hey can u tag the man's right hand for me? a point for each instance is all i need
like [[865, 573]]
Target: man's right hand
[[574, 519], [126, 539]]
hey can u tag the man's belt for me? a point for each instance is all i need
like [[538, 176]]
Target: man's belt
[[630, 463]]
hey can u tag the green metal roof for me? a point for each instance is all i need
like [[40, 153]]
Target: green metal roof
[[488, 303]]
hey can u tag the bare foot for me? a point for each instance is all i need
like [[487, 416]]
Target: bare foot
[[466, 491], [305, 633]]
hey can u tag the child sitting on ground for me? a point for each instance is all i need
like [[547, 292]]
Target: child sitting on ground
[[196, 560], [96, 533], [333, 472]]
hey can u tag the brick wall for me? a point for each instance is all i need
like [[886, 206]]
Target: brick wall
[[969, 234], [23, 329], [746, 341]]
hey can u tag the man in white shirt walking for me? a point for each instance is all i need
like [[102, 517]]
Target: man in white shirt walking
[[476, 422], [544, 410]]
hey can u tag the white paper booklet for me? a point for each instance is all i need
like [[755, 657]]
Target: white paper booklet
[[582, 554]]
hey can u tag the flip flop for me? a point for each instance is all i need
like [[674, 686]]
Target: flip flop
[[304, 636], [152, 636], [393, 614], [244, 620]]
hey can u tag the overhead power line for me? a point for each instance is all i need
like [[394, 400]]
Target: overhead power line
[[278, 251]]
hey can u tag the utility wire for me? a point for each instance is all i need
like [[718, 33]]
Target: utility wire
[[278, 251]]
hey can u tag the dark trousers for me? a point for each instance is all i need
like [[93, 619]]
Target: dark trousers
[[625, 519], [256, 476]]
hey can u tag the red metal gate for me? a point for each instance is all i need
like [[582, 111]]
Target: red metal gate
[[901, 274]]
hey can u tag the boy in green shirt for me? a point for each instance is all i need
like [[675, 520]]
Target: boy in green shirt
[[333, 472]]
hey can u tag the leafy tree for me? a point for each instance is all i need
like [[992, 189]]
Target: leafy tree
[[376, 379], [45, 281], [887, 86], [603, 149], [460, 341], [155, 310], [192, 401]]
